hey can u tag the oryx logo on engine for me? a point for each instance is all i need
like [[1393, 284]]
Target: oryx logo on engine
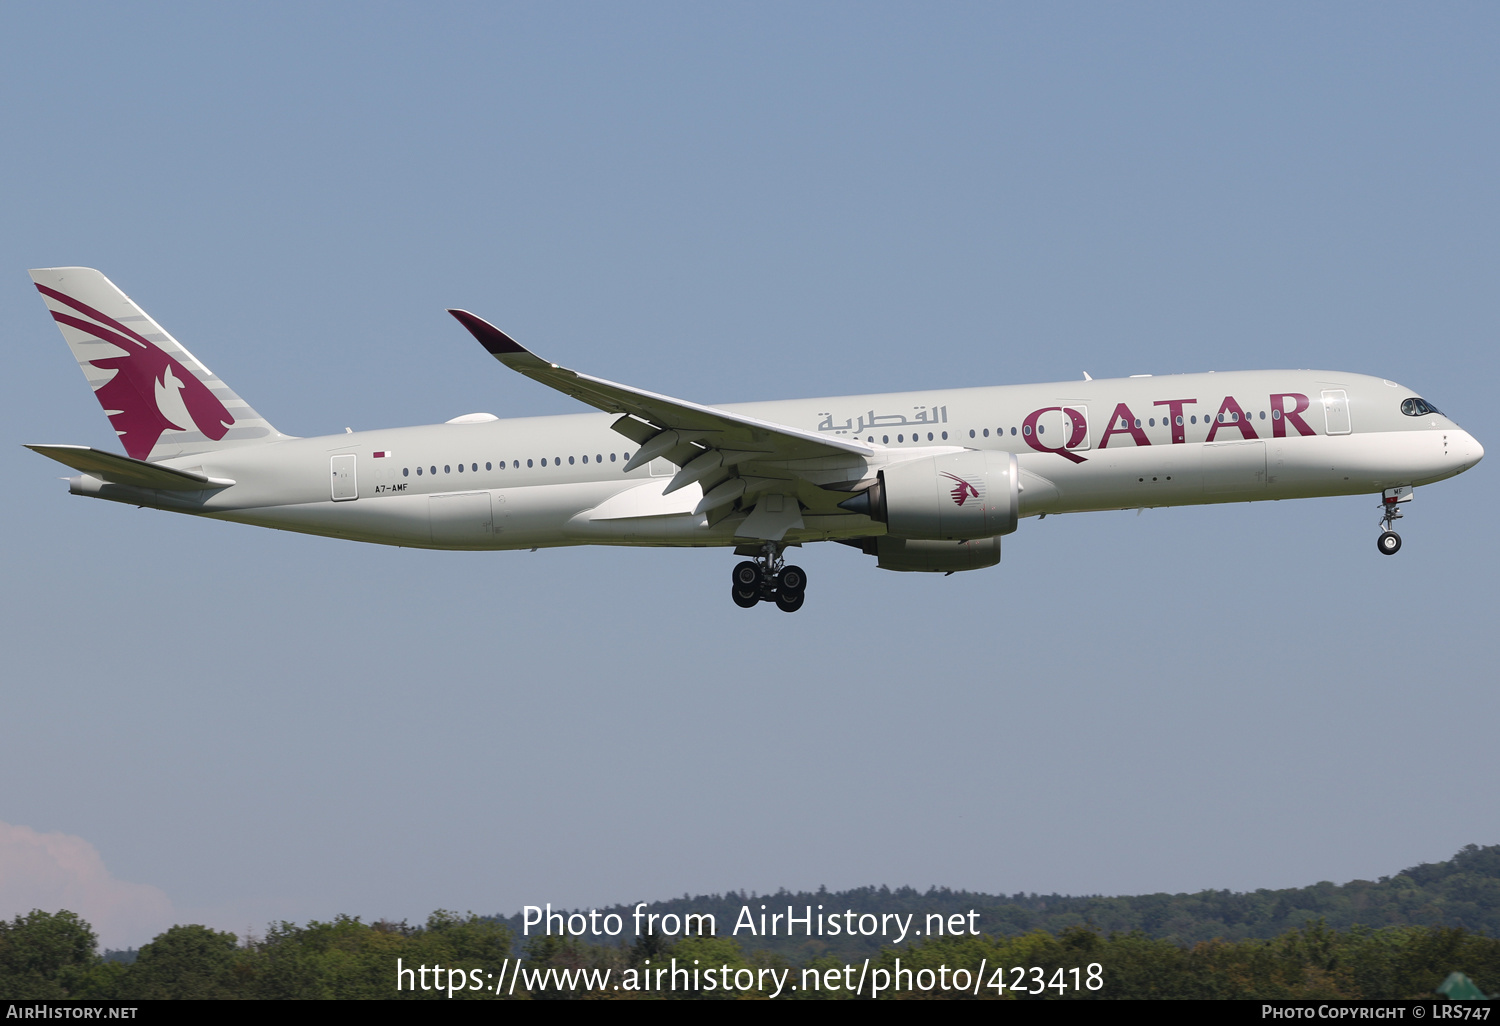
[[962, 491]]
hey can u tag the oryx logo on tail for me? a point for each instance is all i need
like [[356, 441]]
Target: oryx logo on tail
[[150, 393]]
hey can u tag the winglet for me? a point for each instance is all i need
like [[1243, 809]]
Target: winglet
[[492, 338]]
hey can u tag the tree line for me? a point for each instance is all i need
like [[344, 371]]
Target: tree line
[[1398, 937], [51, 956]]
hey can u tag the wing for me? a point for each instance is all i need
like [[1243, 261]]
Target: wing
[[739, 460]]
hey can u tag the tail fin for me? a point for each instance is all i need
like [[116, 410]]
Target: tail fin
[[160, 399]]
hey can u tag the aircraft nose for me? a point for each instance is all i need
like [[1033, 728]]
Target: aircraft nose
[[1468, 450]]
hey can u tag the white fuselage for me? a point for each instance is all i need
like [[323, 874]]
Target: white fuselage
[[1081, 445]]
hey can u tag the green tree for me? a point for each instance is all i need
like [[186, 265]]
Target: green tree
[[188, 963], [346, 958], [41, 951]]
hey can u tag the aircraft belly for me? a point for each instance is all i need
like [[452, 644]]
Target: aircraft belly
[[461, 520], [400, 520], [683, 529], [1129, 477], [1233, 471], [1353, 464]]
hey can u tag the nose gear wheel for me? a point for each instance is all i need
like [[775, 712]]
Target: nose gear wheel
[[1389, 541]]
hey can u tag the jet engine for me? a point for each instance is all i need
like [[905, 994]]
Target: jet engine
[[954, 497], [934, 556]]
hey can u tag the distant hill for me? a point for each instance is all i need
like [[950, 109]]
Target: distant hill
[[1462, 892]]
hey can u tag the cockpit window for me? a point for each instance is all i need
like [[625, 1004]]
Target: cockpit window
[[1419, 408]]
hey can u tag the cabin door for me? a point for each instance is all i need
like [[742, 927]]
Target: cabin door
[[345, 483]]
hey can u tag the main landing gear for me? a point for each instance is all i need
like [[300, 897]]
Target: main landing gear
[[768, 579]]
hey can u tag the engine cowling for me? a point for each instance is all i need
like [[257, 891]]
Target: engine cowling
[[918, 555], [954, 497]]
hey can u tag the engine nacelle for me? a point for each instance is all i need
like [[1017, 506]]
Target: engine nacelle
[[955, 497], [914, 554]]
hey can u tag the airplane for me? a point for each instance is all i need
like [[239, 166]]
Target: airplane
[[922, 481]]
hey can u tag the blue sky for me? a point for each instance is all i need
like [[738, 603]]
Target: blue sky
[[736, 202]]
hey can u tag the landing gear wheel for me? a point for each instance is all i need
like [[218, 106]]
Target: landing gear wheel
[[791, 580], [768, 579], [1389, 542]]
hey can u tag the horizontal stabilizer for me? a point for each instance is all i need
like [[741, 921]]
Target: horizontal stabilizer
[[123, 470]]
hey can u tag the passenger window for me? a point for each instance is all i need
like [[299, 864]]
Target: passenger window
[[419, 471], [570, 461], [986, 432], [460, 468], [406, 472], [611, 457], [528, 464]]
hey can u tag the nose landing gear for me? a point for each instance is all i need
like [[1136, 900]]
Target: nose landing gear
[[1389, 542], [768, 579]]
